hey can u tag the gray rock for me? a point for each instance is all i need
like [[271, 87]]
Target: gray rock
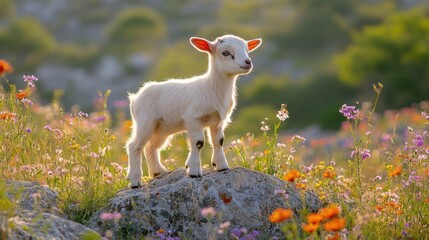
[[32, 196], [37, 225], [36, 215], [173, 201]]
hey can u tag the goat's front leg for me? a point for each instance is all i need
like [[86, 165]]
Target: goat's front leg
[[196, 137], [218, 155]]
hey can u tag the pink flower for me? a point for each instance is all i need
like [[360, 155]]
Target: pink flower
[[94, 155], [223, 227], [283, 114], [27, 102], [121, 103], [115, 216], [298, 138], [30, 79], [208, 212]]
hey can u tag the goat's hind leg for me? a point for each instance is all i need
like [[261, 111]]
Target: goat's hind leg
[[142, 131], [151, 152]]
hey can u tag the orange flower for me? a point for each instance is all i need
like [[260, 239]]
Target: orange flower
[[6, 115], [336, 236], [310, 228], [5, 67], [396, 172], [393, 205], [335, 225], [329, 174], [292, 175], [21, 95], [314, 218], [126, 127], [301, 186], [427, 200], [379, 208], [329, 212], [280, 214]]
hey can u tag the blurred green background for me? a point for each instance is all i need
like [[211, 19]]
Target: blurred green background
[[316, 54]]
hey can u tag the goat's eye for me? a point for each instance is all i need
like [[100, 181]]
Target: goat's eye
[[226, 53]]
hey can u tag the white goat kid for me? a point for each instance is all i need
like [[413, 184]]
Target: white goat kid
[[160, 109]]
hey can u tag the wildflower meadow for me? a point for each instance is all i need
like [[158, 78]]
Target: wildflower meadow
[[372, 174]]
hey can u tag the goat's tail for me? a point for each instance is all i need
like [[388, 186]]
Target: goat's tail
[[132, 97]]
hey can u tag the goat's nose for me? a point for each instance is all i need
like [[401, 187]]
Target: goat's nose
[[248, 61]]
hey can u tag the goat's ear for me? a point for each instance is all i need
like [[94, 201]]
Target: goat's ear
[[201, 44], [254, 44]]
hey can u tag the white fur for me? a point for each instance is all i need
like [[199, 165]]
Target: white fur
[[160, 109]]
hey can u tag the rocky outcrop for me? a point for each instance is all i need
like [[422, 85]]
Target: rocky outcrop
[[173, 202], [39, 225], [32, 196], [34, 214]]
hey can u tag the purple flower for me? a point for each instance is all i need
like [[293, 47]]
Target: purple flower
[[242, 234], [236, 232], [418, 141], [350, 112], [365, 153], [253, 234], [30, 79], [28, 130], [27, 102], [100, 119], [414, 178]]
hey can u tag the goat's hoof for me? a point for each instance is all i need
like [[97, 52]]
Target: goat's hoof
[[223, 170], [214, 164], [156, 174], [195, 176], [135, 187]]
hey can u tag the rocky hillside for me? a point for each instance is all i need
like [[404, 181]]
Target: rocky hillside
[[172, 204]]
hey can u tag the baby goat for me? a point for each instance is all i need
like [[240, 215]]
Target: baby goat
[[160, 109]]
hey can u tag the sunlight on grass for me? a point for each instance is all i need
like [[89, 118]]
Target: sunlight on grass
[[372, 174]]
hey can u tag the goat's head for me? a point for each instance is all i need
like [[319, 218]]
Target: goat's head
[[229, 54]]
